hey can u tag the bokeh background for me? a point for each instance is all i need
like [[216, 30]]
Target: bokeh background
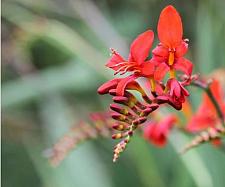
[[53, 56]]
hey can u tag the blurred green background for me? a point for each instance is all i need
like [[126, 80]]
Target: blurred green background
[[53, 56]]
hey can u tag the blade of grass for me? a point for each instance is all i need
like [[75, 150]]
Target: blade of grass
[[52, 80], [193, 162]]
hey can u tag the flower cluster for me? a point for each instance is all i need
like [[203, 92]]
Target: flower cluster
[[157, 72], [149, 82], [129, 113]]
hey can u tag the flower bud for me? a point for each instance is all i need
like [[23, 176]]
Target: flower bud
[[120, 117], [153, 106], [120, 126], [119, 109], [120, 99], [117, 136], [104, 89], [139, 120], [146, 112]]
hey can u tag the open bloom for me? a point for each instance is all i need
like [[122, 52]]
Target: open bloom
[[157, 133], [136, 63], [206, 115], [169, 53]]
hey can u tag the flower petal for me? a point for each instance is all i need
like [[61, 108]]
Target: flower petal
[[166, 124], [140, 47], [148, 68], [120, 89], [161, 51], [200, 122], [175, 89], [170, 30], [161, 71], [114, 60], [181, 50], [134, 85], [159, 59], [184, 65], [217, 92]]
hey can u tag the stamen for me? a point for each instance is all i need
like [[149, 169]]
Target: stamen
[[113, 51], [126, 69], [121, 63], [120, 69]]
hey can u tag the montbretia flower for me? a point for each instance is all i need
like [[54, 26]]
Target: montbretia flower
[[145, 76], [157, 132], [206, 115], [176, 91], [169, 53], [174, 94], [137, 63]]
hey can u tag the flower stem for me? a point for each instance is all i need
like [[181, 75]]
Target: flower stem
[[206, 87], [172, 73], [152, 82]]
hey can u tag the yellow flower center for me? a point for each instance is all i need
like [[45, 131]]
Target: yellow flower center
[[171, 58]]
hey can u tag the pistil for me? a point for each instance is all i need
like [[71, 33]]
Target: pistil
[[171, 58]]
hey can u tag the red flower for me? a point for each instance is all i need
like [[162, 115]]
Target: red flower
[[169, 53], [174, 94], [136, 63], [176, 91], [206, 115], [157, 133]]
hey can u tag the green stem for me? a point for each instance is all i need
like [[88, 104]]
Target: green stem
[[206, 88]]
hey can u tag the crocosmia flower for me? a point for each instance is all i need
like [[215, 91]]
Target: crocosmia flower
[[169, 53], [157, 132], [139, 51], [177, 91], [206, 115], [136, 63], [129, 111]]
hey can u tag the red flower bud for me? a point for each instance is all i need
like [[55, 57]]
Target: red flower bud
[[139, 120], [120, 126], [120, 117], [120, 99], [106, 87]]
